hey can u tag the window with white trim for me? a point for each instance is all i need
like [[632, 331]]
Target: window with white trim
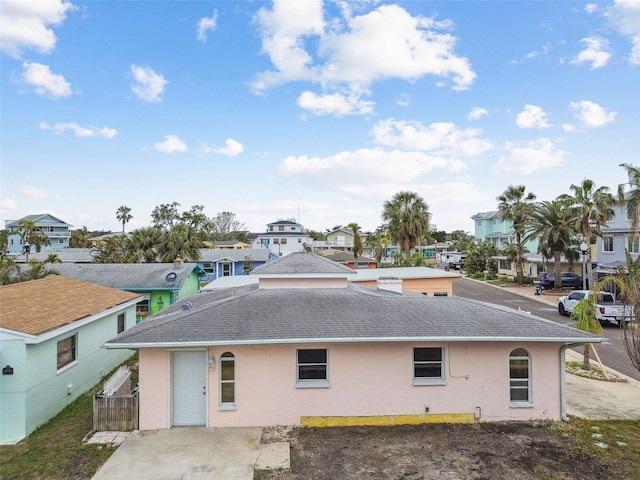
[[520, 377], [607, 243], [312, 369], [227, 380], [633, 244], [428, 366], [66, 351]]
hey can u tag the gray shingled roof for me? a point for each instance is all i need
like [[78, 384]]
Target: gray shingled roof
[[236, 255], [248, 315], [66, 255], [302, 263], [129, 276]]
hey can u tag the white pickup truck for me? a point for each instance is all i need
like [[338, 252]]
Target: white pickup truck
[[607, 309]]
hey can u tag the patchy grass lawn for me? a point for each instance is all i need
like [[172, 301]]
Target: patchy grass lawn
[[55, 450]]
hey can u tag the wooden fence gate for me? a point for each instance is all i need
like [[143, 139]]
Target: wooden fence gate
[[115, 413]]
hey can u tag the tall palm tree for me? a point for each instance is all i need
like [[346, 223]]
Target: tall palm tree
[[552, 224], [124, 215], [407, 216], [516, 206], [592, 208], [631, 198], [357, 242]]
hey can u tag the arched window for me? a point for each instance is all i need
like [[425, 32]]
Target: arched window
[[520, 377], [227, 380]]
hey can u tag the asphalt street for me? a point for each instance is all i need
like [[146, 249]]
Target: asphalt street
[[612, 353]]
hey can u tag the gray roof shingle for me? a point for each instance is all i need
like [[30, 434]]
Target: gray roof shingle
[[248, 315], [128, 276]]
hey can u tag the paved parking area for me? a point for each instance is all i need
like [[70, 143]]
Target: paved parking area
[[194, 453]]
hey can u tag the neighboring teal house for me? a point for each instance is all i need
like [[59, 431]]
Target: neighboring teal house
[[59, 232], [50, 336], [159, 284], [228, 262], [492, 228]]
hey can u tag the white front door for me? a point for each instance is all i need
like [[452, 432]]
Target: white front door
[[189, 388]]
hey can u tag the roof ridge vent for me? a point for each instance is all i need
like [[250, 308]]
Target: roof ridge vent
[[186, 306]]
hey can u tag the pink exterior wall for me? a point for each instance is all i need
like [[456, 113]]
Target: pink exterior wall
[[365, 379], [153, 365]]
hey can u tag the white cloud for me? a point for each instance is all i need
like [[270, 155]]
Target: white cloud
[[597, 52], [404, 100], [532, 117], [535, 155], [334, 104], [7, 204], [567, 127], [590, 8], [359, 169], [355, 51], [78, 131], [44, 81], [441, 138], [26, 25], [546, 48], [149, 85], [591, 114], [36, 193], [205, 24], [624, 15], [171, 144], [476, 113], [231, 149]]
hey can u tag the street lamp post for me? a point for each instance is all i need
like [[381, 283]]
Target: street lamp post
[[583, 249]]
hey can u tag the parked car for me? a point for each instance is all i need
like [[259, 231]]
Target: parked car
[[607, 308], [546, 280]]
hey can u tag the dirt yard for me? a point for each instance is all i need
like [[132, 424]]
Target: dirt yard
[[512, 451]]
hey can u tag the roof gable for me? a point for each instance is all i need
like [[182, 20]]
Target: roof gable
[[40, 306], [302, 263], [39, 219]]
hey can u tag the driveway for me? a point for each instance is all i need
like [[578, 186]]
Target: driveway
[[194, 453]]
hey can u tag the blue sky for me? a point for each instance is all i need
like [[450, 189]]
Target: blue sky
[[308, 109]]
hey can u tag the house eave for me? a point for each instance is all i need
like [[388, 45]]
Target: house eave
[[298, 341]]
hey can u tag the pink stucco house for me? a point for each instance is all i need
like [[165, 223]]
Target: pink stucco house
[[303, 346]]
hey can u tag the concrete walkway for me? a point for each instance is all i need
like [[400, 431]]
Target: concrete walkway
[[194, 453]]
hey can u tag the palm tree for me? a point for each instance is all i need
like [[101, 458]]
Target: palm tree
[[124, 215], [632, 197], [585, 314], [357, 242], [517, 207], [141, 245], [407, 216], [79, 238], [592, 208], [180, 241], [9, 270], [110, 250], [32, 235], [552, 224]]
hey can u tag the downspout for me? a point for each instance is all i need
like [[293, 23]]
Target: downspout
[[563, 383]]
